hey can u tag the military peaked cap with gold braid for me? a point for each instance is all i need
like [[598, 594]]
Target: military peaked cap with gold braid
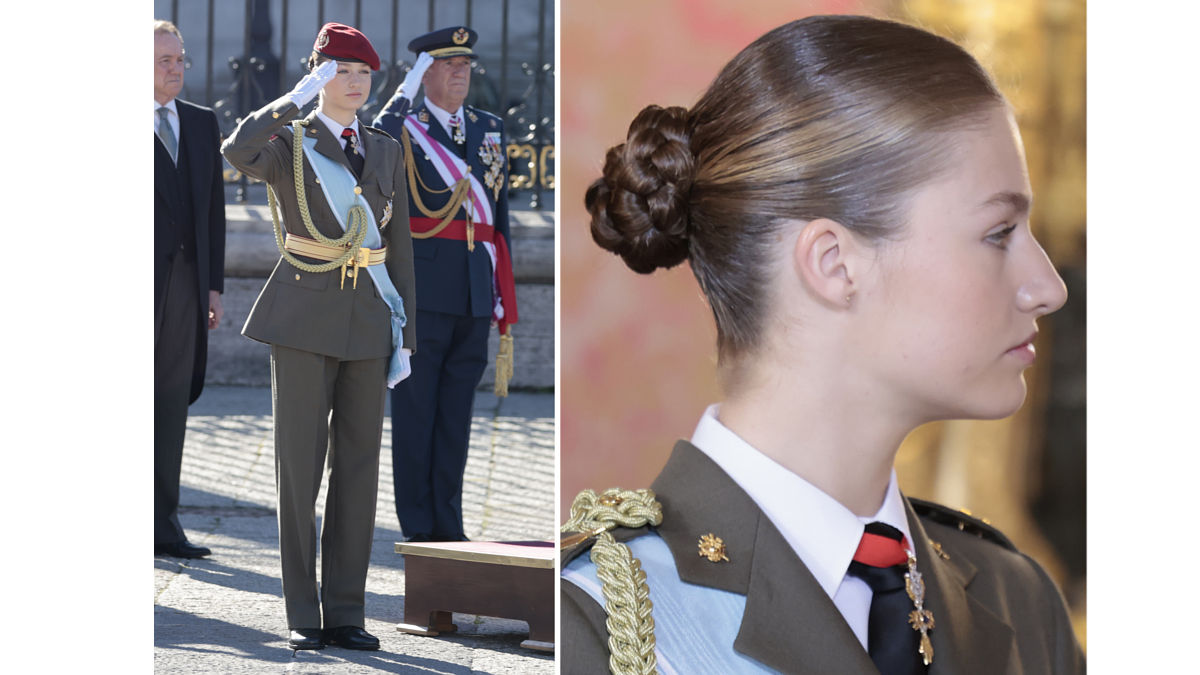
[[446, 42]]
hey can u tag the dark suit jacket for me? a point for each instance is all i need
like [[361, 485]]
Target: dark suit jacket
[[453, 280], [312, 311], [199, 139], [996, 610]]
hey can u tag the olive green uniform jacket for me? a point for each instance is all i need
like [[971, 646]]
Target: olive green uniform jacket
[[996, 610], [314, 312]]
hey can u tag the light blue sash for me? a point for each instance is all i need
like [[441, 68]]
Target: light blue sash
[[694, 626], [338, 183]]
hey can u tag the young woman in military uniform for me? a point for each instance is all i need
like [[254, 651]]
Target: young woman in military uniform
[[852, 197], [338, 312]]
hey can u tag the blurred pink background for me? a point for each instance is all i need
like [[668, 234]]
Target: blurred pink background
[[638, 352]]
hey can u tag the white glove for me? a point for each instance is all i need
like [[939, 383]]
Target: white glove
[[311, 84], [412, 81]]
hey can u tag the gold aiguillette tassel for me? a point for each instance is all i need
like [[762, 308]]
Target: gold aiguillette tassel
[[504, 363]]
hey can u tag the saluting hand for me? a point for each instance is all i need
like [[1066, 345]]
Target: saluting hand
[[412, 81], [309, 85]]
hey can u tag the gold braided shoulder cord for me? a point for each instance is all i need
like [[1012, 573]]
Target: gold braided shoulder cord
[[356, 229], [459, 195], [626, 595]]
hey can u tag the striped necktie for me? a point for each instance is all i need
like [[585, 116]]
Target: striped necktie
[[356, 159], [166, 133], [881, 561]]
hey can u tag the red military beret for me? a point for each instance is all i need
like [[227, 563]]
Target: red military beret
[[345, 43]]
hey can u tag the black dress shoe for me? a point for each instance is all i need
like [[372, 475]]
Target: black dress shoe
[[351, 637], [306, 638], [181, 549]]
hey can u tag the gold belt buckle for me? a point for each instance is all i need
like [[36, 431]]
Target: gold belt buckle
[[360, 260]]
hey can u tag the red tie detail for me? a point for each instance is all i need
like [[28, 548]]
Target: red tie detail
[[880, 551]]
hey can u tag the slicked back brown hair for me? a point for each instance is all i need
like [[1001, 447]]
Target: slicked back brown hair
[[837, 117]]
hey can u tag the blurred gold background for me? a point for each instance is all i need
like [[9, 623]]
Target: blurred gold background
[[631, 384]]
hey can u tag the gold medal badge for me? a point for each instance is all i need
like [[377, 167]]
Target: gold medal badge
[[387, 215], [920, 619]]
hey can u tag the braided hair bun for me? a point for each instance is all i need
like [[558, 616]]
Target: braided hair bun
[[640, 206]]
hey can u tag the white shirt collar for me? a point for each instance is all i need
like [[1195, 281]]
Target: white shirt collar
[[442, 116], [336, 128], [174, 116], [823, 533]]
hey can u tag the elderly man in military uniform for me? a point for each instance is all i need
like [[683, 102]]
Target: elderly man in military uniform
[[457, 176]]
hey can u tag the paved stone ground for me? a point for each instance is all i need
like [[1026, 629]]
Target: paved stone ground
[[224, 614]]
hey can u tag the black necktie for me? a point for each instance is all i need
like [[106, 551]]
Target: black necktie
[[881, 561], [352, 153]]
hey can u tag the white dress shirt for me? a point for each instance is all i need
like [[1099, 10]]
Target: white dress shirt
[[823, 533], [443, 117], [336, 129]]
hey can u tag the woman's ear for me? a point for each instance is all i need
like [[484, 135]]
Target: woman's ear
[[824, 258]]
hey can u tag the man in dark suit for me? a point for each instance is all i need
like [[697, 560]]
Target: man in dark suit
[[458, 201], [189, 263]]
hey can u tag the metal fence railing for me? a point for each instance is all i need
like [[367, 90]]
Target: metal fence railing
[[252, 51]]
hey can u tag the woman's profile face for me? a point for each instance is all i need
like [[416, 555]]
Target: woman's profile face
[[952, 306], [349, 88]]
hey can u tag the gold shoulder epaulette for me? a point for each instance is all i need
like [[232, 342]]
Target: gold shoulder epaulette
[[962, 520]]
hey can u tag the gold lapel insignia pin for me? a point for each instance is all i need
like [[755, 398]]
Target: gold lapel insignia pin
[[713, 548], [937, 548]]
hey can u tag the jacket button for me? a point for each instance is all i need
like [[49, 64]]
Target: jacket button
[[297, 277]]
